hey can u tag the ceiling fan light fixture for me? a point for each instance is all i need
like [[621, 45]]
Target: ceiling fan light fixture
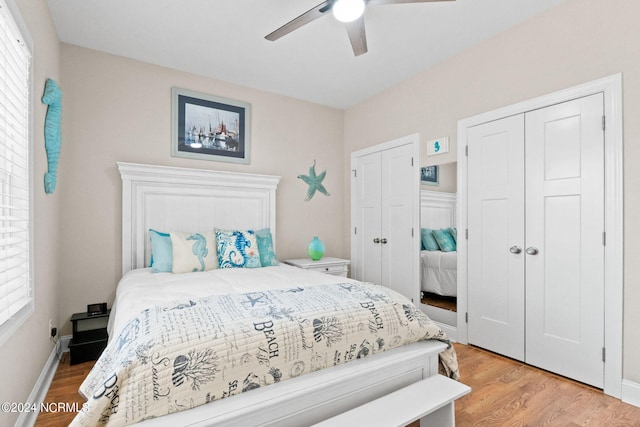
[[348, 10]]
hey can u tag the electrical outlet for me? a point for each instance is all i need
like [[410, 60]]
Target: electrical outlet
[[50, 327]]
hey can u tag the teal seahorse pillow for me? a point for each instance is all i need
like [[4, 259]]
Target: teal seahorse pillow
[[237, 249], [193, 251], [161, 252], [265, 248], [445, 240]]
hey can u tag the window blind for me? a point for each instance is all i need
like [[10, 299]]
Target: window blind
[[15, 281]]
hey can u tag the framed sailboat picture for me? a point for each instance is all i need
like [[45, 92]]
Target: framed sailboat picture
[[429, 175], [209, 127]]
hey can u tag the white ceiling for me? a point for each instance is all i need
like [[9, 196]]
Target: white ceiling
[[224, 39]]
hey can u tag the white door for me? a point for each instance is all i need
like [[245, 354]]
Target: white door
[[565, 224], [367, 207], [399, 200], [385, 214], [496, 236]]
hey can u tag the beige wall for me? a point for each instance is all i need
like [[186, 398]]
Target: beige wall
[[116, 109], [25, 353], [119, 110], [576, 42]]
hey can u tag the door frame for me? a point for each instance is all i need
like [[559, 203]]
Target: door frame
[[611, 87]]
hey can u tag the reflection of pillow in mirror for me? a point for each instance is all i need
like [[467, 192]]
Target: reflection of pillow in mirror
[[445, 240], [194, 251], [237, 249], [161, 252], [454, 233], [265, 248], [428, 241]]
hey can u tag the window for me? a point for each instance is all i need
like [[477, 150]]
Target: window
[[16, 293]]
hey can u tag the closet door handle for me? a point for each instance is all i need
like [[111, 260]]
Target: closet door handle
[[376, 240], [515, 249], [383, 241], [532, 250]]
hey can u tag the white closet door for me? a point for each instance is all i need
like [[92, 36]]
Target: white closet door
[[496, 236], [398, 201], [367, 266], [565, 222]]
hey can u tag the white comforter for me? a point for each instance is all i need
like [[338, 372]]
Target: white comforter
[[439, 272], [140, 288]]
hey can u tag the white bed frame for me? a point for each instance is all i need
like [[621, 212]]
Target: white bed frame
[[178, 199], [170, 198], [438, 209]]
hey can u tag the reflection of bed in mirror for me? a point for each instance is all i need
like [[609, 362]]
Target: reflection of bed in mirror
[[438, 275]]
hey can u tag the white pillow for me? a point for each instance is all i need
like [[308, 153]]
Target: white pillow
[[194, 251]]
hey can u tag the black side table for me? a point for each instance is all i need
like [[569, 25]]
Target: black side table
[[89, 336]]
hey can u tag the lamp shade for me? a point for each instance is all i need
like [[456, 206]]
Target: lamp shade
[[348, 10]]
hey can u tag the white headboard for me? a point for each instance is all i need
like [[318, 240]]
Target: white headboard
[[178, 199], [437, 209]]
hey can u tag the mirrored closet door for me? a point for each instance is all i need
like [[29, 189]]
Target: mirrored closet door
[[438, 254]]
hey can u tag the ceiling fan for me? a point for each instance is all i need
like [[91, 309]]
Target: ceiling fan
[[351, 12]]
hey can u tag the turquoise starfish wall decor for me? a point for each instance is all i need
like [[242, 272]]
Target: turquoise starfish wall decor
[[314, 182]]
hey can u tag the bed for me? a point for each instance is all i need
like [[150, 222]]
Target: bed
[[144, 367], [438, 273]]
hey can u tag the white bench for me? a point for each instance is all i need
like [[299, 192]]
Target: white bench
[[429, 400]]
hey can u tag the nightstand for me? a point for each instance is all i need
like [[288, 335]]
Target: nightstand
[[89, 336], [334, 266]]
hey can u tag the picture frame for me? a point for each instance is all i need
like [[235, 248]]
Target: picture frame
[[429, 175], [209, 127]]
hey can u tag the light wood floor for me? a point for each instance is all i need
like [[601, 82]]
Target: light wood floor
[[510, 393], [448, 303], [504, 393], [64, 388]]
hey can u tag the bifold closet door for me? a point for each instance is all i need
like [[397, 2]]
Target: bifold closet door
[[398, 202], [385, 200], [496, 236], [535, 246], [564, 234], [368, 209]]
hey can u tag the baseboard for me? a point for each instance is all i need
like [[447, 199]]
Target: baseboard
[[630, 393], [39, 391], [451, 331], [64, 342]]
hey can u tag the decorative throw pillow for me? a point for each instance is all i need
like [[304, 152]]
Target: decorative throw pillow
[[265, 248], [428, 241], [445, 240], [193, 251], [161, 252], [237, 249]]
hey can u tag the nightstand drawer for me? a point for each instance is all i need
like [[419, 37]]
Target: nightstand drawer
[[328, 265], [336, 270]]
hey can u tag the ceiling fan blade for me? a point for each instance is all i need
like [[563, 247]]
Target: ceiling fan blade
[[305, 18], [402, 1], [357, 36]]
